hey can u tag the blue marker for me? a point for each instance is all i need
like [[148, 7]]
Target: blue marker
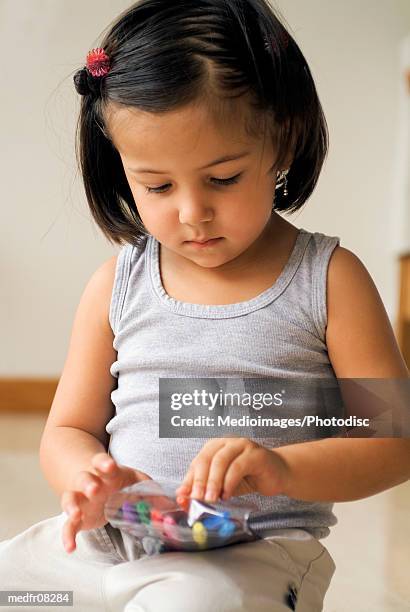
[[213, 522], [227, 529]]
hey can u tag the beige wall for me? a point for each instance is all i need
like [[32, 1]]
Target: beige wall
[[50, 247], [353, 49]]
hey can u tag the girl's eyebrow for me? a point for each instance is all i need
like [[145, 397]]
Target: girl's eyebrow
[[220, 160]]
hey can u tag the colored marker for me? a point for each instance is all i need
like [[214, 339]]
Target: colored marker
[[170, 527], [226, 529], [128, 512], [199, 533], [143, 509], [215, 521]]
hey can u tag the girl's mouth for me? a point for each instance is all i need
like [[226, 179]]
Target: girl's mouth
[[201, 245]]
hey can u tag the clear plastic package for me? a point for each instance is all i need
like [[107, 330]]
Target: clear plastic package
[[162, 521]]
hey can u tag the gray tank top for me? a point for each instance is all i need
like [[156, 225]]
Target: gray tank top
[[279, 333]]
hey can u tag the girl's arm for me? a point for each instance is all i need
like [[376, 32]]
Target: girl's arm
[[75, 428], [361, 344], [74, 443]]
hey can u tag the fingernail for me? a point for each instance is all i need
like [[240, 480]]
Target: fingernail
[[210, 494]]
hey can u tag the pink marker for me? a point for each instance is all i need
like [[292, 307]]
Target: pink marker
[[170, 527]]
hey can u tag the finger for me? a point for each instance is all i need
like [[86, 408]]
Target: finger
[[200, 467], [105, 467], [70, 503], [88, 484], [199, 476], [103, 463], [186, 485], [221, 462], [245, 464], [92, 487], [207, 450], [114, 475], [70, 530], [128, 476]]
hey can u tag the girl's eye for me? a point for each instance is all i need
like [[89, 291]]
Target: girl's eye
[[228, 181], [217, 181]]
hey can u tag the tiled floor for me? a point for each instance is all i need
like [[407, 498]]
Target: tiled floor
[[370, 545]]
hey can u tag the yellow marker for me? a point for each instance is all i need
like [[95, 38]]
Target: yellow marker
[[199, 533]]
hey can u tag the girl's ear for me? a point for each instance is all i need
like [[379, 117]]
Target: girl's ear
[[290, 155]]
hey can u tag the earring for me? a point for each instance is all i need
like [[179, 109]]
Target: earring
[[282, 181]]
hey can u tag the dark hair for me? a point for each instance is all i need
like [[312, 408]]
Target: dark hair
[[165, 55]]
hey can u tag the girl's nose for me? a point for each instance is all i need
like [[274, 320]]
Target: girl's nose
[[193, 213]]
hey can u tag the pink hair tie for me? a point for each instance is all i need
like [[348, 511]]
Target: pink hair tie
[[98, 62]]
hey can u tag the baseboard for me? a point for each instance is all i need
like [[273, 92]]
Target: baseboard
[[27, 395]]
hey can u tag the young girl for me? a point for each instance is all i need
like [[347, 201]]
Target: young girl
[[199, 123]]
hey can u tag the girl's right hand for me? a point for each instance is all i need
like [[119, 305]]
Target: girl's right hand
[[85, 505]]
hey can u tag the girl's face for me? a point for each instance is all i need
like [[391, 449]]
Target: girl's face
[[185, 192]]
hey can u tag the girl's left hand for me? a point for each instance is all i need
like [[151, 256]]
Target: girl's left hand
[[228, 467]]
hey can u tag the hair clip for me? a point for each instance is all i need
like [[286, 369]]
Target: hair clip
[[272, 44], [98, 62]]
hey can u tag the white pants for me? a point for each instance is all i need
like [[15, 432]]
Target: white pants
[[108, 572]]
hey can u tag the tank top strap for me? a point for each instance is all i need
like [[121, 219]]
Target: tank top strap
[[127, 257], [317, 259]]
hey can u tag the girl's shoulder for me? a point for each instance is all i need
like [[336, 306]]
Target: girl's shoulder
[[104, 277], [100, 288], [359, 335]]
